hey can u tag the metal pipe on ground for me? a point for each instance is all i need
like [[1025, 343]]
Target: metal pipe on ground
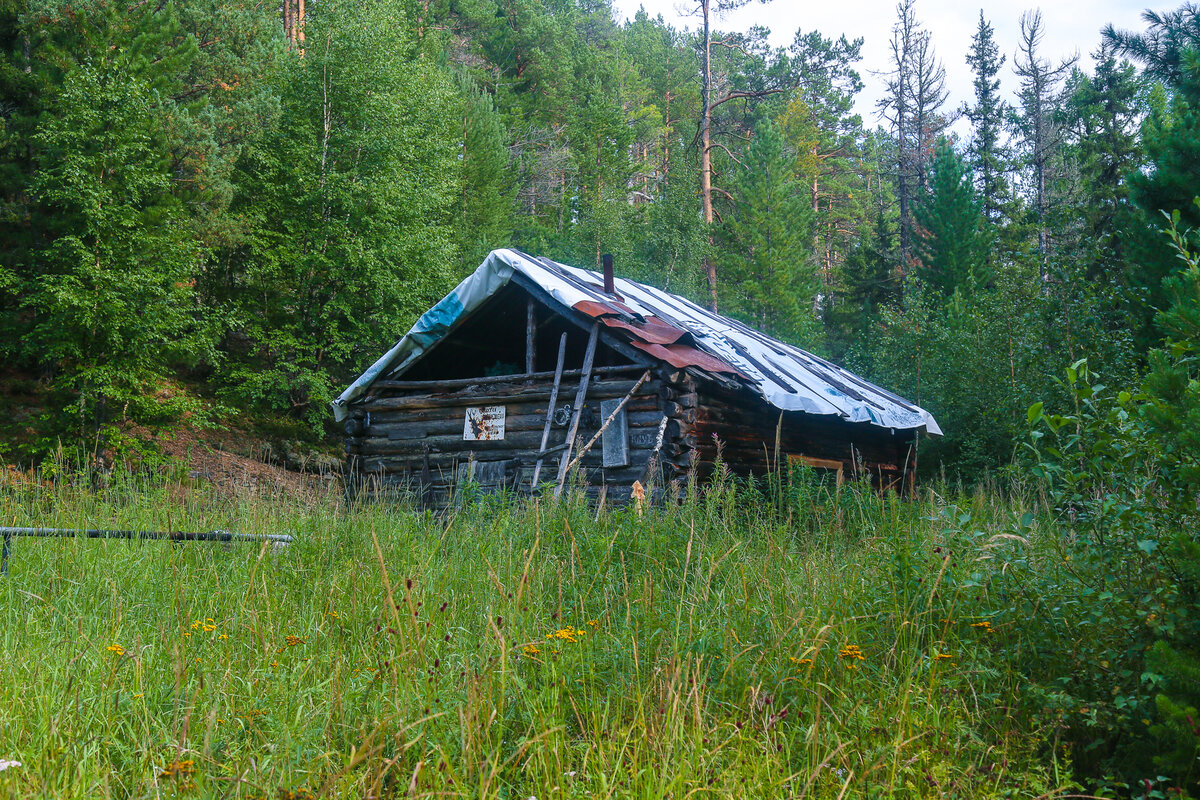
[[93, 533]]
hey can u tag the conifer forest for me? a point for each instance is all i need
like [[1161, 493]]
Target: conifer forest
[[216, 214]]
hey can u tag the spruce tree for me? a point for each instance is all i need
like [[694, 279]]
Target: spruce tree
[[111, 158], [1171, 138], [350, 206], [1104, 112], [951, 241], [1037, 123], [988, 155]]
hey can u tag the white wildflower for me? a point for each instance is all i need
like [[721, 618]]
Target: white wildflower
[[8, 764]]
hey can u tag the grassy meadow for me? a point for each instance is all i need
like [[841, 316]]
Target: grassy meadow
[[812, 642]]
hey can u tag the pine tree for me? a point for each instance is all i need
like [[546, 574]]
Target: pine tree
[[770, 282], [706, 9], [670, 241], [1166, 44], [818, 123], [952, 244]]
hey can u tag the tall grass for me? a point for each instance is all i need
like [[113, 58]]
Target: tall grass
[[798, 643]]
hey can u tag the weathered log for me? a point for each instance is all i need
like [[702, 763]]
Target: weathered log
[[450, 425], [517, 406], [676, 411], [391, 463], [597, 389], [487, 380], [520, 440]]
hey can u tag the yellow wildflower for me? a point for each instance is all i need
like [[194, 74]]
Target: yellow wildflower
[[852, 653], [531, 650], [567, 634], [178, 769], [942, 656], [293, 641], [116, 648]]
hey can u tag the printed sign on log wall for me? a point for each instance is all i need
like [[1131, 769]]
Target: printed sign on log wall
[[484, 424]]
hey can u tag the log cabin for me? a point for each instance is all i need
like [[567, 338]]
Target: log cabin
[[532, 373]]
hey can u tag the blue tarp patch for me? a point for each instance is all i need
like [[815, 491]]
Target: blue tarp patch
[[438, 319]]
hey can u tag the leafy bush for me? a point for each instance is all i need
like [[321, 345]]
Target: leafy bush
[[1122, 472]]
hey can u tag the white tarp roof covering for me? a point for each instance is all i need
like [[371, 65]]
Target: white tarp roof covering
[[787, 377]]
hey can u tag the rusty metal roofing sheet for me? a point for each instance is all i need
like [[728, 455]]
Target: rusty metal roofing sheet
[[682, 356], [651, 330], [668, 327]]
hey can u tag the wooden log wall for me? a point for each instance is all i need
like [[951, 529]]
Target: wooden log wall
[[412, 438], [409, 435], [745, 428]]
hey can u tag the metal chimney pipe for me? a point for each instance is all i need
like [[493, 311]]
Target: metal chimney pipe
[[609, 287]]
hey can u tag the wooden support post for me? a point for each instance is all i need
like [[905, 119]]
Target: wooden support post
[[580, 398], [537, 469], [583, 450], [530, 337]]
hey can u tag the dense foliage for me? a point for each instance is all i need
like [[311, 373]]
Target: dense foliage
[[189, 193]]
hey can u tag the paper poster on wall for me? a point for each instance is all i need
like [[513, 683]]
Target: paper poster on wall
[[484, 424]]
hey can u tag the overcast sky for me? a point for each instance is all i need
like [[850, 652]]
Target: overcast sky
[[1071, 27]]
